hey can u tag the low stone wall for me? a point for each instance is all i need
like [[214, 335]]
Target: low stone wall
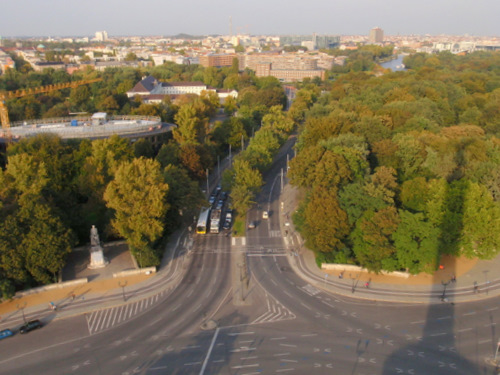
[[352, 268], [140, 271], [46, 288]]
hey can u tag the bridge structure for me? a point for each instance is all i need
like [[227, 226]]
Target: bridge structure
[[92, 127]]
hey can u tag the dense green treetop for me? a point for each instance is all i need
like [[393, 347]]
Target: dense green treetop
[[412, 158]]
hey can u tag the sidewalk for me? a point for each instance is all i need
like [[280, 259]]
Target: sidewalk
[[421, 288]]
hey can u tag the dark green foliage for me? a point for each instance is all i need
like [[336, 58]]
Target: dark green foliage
[[421, 179]]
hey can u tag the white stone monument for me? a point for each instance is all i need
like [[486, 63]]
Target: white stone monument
[[97, 259]]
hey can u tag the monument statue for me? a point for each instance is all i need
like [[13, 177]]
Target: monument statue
[[94, 237], [97, 259]]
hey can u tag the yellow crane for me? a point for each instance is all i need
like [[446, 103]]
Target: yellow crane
[[4, 115]]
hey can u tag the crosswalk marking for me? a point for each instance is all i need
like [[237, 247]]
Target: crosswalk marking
[[309, 289], [101, 320], [275, 233]]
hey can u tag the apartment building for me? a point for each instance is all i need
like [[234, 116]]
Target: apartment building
[[217, 60]]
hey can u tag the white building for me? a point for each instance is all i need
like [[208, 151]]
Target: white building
[[101, 36], [152, 90]]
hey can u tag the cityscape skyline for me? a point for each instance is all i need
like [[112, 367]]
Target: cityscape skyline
[[154, 17]]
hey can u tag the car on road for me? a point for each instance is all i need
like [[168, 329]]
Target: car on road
[[30, 326], [252, 225], [220, 203], [5, 333], [265, 215], [211, 200]]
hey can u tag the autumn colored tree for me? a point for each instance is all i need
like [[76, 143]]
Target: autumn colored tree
[[138, 196]]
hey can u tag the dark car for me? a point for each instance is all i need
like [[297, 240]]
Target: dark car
[[220, 203], [211, 200], [30, 326], [5, 333]]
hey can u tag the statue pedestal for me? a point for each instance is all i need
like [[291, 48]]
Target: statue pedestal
[[97, 259]]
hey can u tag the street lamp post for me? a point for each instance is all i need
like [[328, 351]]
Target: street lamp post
[[123, 285], [21, 307], [443, 296]]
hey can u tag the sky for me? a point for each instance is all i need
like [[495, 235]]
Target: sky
[[257, 17]]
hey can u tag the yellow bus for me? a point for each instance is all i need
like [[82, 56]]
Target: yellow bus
[[203, 221]]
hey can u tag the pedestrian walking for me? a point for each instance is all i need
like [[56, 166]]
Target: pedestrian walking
[[476, 288], [453, 279], [73, 296], [367, 284]]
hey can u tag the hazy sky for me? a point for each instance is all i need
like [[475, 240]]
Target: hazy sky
[[201, 17]]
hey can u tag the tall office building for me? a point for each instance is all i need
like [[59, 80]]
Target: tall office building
[[101, 36], [376, 35]]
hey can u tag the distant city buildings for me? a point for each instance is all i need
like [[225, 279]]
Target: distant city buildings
[[6, 62], [376, 35], [217, 60], [262, 53], [101, 36], [287, 67], [312, 42]]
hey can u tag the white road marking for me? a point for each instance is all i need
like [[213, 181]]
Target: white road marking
[[307, 307], [469, 313], [464, 329], [245, 366], [209, 351], [245, 349], [240, 333]]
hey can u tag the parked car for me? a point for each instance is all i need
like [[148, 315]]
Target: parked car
[[30, 326], [5, 333]]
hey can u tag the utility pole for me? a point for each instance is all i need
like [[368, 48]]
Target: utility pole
[[123, 285]]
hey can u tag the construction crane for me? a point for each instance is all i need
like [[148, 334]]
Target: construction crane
[[4, 115]]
